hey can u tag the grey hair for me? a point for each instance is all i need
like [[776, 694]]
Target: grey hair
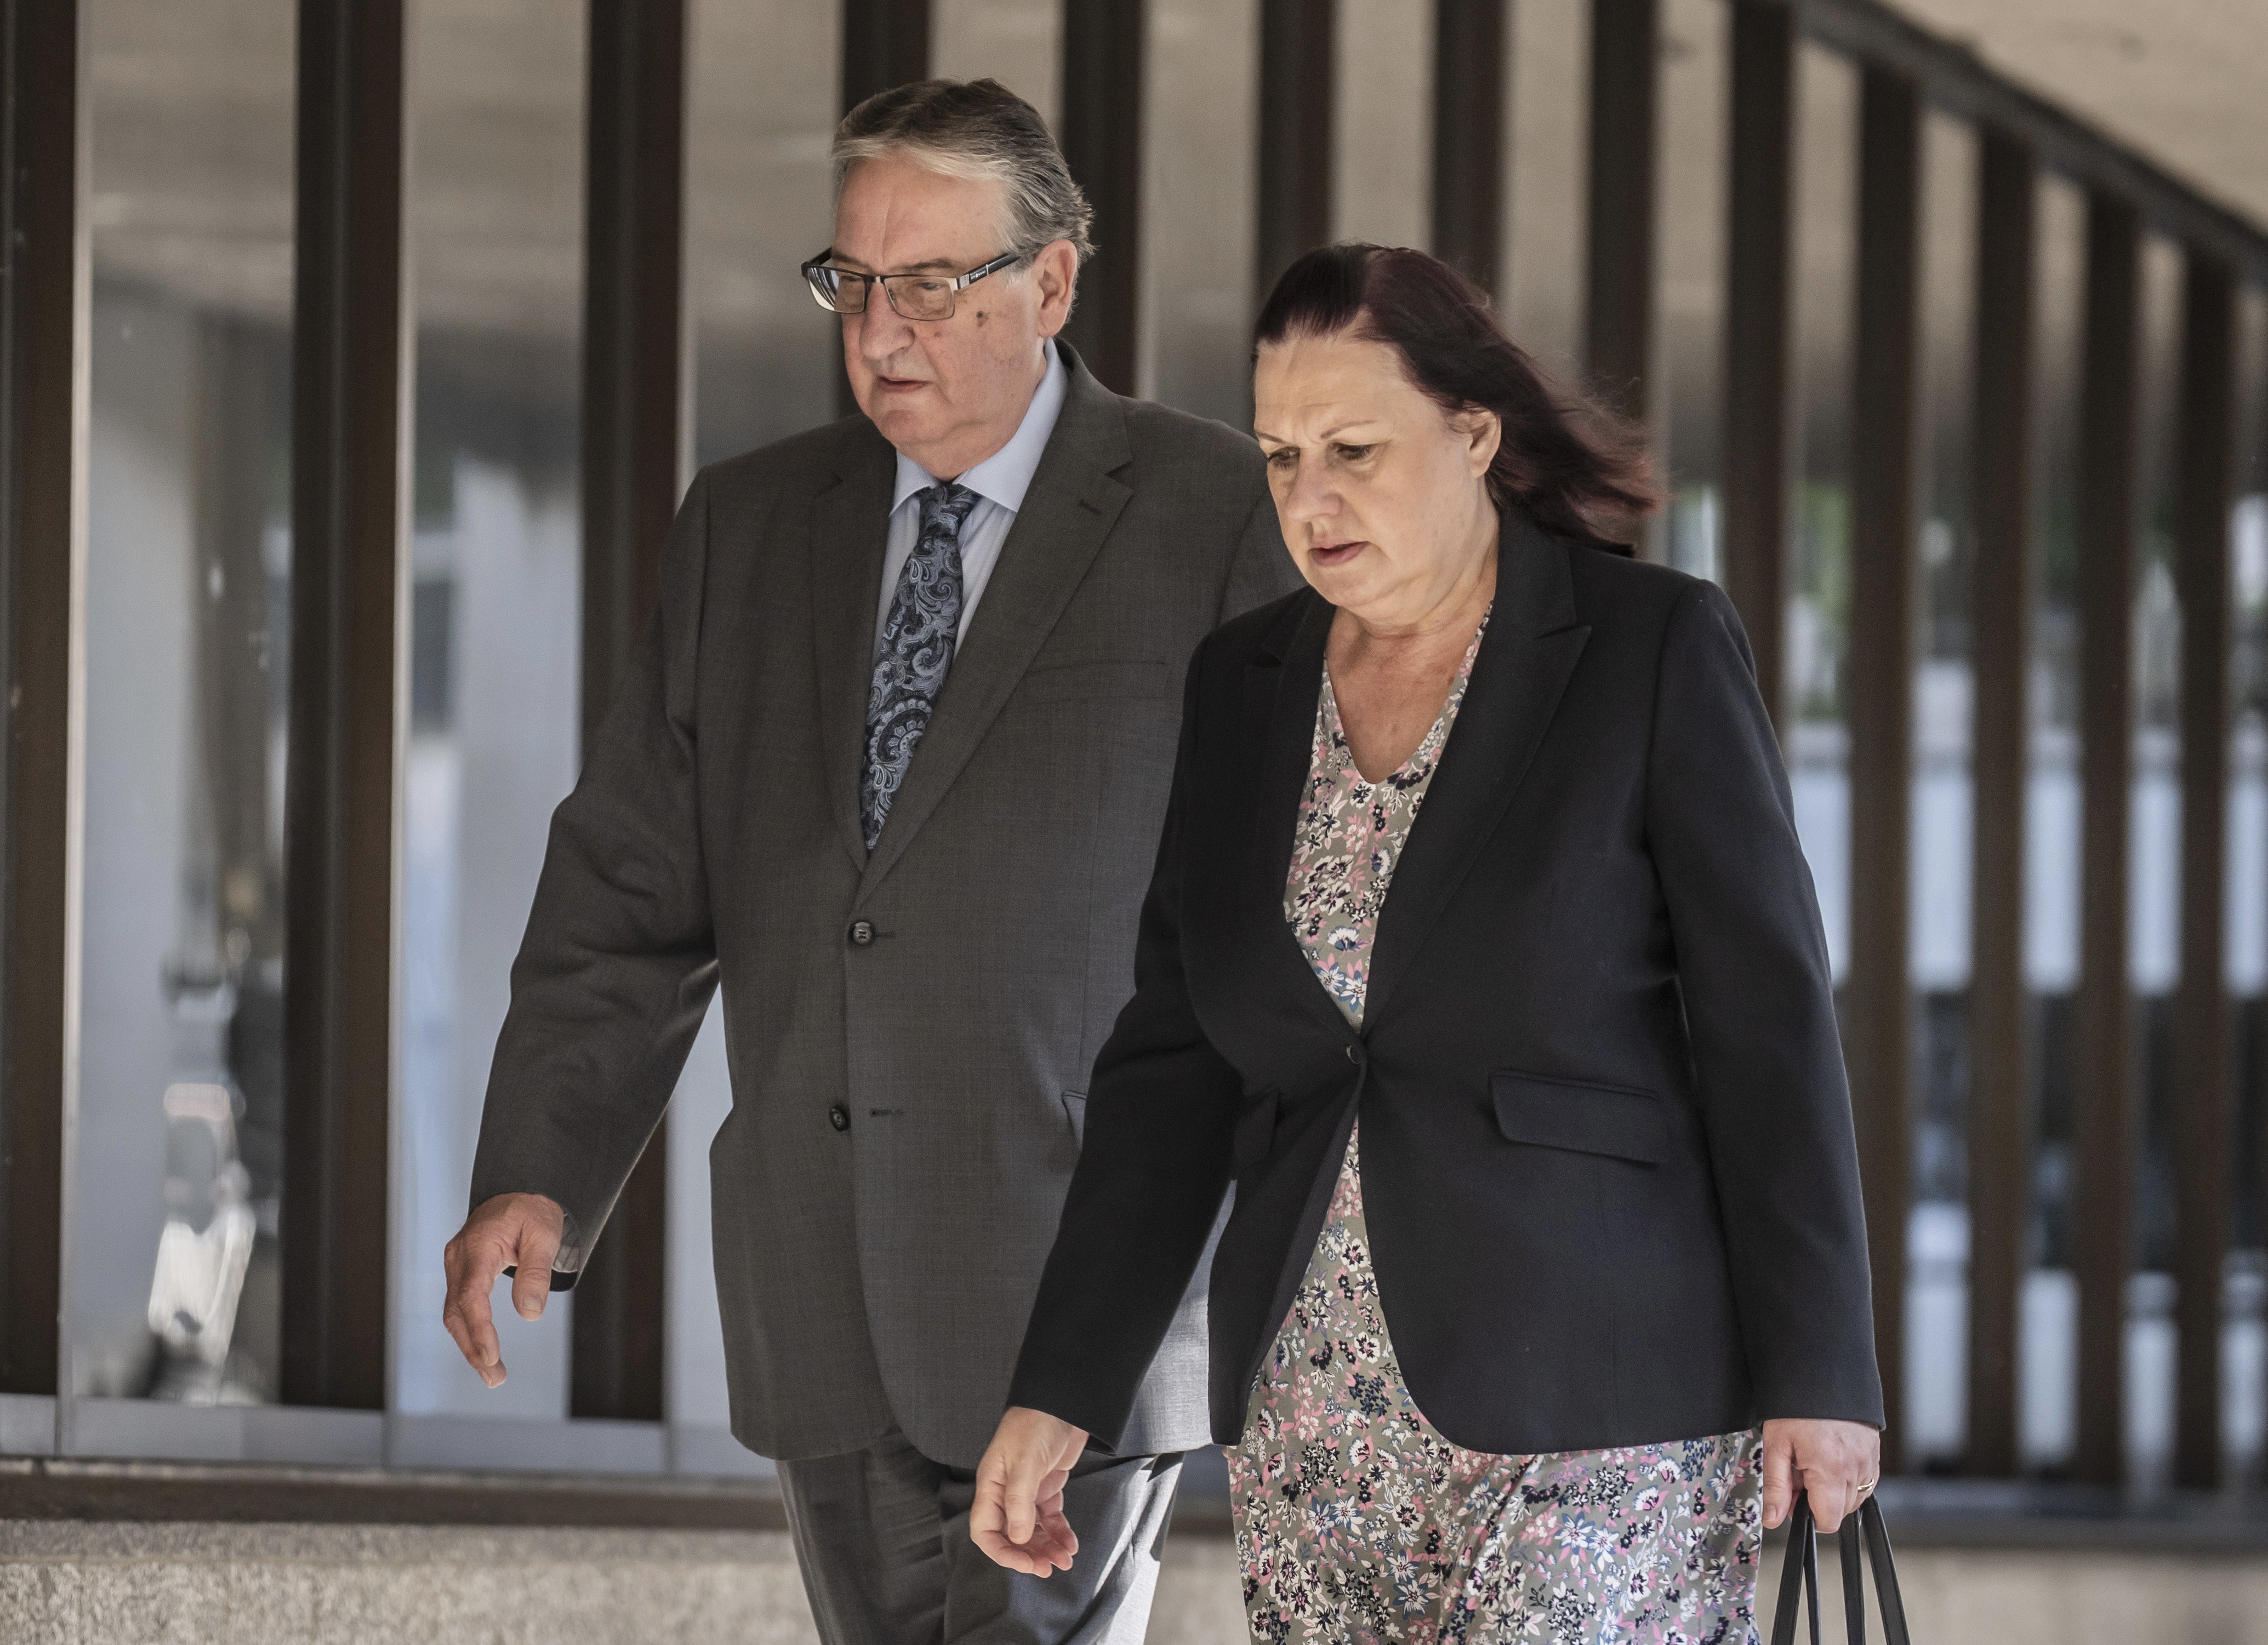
[[981, 130]]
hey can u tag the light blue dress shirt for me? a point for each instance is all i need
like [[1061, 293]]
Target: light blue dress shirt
[[999, 483]]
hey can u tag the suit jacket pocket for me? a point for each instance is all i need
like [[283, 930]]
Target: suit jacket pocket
[[1614, 1120], [1255, 1132]]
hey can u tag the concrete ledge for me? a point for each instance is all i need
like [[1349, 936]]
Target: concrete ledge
[[38, 1488], [95, 1553], [1987, 1515]]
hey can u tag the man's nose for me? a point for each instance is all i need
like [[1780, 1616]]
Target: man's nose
[[882, 331]]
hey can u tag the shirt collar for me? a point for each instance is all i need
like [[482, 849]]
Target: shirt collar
[[1005, 477]]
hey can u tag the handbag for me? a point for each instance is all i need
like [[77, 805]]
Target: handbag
[[1799, 1578]]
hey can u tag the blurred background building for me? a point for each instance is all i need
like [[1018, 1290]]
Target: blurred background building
[[353, 353]]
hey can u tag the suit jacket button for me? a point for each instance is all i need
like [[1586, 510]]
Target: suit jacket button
[[839, 1117], [1354, 1054], [862, 932]]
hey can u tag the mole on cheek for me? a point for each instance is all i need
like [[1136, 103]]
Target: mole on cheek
[[980, 316]]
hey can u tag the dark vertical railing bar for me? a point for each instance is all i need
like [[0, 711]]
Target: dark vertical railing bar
[[341, 797], [1298, 79], [1106, 46], [1758, 246], [1878, 1011], [43, 329], [1469, 114], [2203, 1054], [885, 43], [1998, 1062], [2000, 1068], [633, 454], [1619, 277], [2104, 1075]]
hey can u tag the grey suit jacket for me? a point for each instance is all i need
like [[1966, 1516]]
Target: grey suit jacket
[[908, 1034]]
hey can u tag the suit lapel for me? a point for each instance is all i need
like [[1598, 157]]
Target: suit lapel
[[850, 518], [1525, 661], [1073, 502]]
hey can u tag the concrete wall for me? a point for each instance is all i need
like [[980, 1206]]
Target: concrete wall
[[67, 1583]]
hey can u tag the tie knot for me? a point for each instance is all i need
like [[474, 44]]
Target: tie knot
[[947, 502]]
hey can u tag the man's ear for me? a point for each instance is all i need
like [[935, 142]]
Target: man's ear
[[1055, 272]]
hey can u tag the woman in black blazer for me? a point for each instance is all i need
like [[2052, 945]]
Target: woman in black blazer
[[1482, 957]]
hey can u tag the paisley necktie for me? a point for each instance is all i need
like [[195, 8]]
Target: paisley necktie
[[917, 649]]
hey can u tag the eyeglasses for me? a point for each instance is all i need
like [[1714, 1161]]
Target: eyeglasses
[[912, 296]]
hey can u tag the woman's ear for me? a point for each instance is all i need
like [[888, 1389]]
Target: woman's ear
[[1483, 434]]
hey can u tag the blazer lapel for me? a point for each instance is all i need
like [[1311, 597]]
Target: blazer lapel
[[1280, 695], [1073, 502], [849, 520], [1525, 661]]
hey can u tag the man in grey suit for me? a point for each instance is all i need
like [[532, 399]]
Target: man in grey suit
[[890, 777]]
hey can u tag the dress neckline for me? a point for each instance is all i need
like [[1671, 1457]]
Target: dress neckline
[[1429, 746]]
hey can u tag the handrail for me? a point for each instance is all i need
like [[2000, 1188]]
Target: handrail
[[1953, 78]]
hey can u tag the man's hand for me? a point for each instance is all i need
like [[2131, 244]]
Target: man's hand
[[1018, 1517], [1835, 1464], [522, 1229]]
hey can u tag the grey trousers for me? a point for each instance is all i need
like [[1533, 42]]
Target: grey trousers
[[882, 1536]]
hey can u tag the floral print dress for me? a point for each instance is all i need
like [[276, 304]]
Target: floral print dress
[[1356, 1520]]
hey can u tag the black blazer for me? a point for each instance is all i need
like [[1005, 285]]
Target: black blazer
[[1607, 1153]]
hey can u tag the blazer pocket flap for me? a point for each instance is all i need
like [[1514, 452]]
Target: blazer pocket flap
[[1609, 1119], [1255, 1132]]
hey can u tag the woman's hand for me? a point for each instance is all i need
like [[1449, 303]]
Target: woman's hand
[[1018, 1517], [1835, 1464]]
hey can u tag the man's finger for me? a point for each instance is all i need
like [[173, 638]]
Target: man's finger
[[1055, 1527], [473, 1274], [1021, 1509], [988, 1518], [455, 1326], [1052, 1537], [538, 1247]]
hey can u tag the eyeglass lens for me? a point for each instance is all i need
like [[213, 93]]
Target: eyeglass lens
[[916, 297]]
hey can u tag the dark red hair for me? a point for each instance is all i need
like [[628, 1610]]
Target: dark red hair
[[1572, 466]]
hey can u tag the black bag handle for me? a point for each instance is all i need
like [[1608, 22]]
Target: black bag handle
[[1799, 1577]]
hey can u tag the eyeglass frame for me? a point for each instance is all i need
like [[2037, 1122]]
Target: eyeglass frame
[[953, 287]]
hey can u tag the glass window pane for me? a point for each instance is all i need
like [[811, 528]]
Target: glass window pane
[[762, 107], [1017, 42], [762, 91], [173, 1289], [1545, 183], [495, 214], [1819, 599], [1199, 183], [1382, 182], [1696, 72]]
